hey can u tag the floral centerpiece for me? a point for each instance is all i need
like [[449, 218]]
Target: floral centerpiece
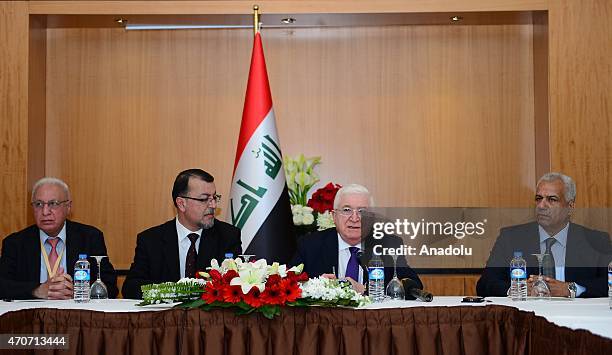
[[253, 287], [313, 213]]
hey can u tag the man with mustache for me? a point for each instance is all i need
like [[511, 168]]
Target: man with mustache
[[186, 244], [577, 256], [38, 261]]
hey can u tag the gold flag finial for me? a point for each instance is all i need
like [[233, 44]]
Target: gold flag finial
[[255, 19]]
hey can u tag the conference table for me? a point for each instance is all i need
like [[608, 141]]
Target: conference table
[[444, 326]]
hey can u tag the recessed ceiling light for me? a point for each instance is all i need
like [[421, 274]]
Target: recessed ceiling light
[[456, 18], [121, 21], [288, 20]]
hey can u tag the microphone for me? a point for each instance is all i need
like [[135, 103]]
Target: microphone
[[412, 289]]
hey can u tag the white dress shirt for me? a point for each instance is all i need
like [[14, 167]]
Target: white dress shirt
[[344, 254]]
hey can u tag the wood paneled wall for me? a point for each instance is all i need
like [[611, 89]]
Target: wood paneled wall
[[581, 96], [423, 115], [13, 115]]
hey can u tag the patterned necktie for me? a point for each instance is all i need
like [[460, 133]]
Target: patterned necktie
[[192, 256], [53, 253], [352, 267], [548, 262]]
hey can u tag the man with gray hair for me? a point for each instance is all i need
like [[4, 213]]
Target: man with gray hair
[[576, 256], [38, 262], [342, 251]]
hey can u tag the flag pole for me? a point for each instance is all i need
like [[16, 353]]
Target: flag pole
[[255, 19]]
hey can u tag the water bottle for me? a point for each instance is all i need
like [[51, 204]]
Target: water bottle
[[81, 279], [518, 277], [376, 276], [610, 283]]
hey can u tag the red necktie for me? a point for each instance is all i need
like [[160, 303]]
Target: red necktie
[[53, 252]]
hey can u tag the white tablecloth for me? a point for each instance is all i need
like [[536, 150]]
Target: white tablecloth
[[592, 314]]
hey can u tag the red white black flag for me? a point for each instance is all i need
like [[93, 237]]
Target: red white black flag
[[259, 201]]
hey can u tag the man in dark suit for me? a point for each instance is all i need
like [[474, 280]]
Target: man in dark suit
[[38, 262], [184, 245], [580, 255], [335, 252]]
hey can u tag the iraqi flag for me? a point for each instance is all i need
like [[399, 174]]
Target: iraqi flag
[[259, 200]]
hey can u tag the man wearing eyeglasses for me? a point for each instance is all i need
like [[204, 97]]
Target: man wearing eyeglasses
[[344, 251], [186, 244], [38, 262]]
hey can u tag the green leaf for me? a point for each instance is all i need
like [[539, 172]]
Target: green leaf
[[191, 304], [269, 311]]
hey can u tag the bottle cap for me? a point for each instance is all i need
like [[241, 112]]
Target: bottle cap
[[82, 256], [518, 253], [229, 255]]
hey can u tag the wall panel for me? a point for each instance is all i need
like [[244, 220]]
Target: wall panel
[[580, 97], [423, 115], [13, 115]]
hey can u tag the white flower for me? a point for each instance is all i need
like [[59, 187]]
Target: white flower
[[302, 215], [321, 288], [308, 219], [325, 220], [248, 278], [187, 280]]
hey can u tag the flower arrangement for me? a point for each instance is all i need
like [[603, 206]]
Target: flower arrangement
[[300, 175], [253, 287], [313, 213]]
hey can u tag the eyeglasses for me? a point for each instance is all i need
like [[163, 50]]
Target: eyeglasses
[[207, 198], [53, 204], [347, 211]]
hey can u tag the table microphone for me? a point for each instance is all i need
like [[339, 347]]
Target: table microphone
[[412, 289]]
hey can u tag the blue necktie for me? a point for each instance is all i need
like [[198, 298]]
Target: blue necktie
[[352, 267]]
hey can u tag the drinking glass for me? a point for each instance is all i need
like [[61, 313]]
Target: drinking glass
[[98, 289], [395, 289], [540, 289], [246, 257]]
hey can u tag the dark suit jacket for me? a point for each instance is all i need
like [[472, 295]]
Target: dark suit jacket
[[318, 252], [156, 259], [20, 260], [586, 258]]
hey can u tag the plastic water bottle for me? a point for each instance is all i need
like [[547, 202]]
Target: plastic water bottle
[[81, 279], [610, 283], [518, 277], [376, 277]]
